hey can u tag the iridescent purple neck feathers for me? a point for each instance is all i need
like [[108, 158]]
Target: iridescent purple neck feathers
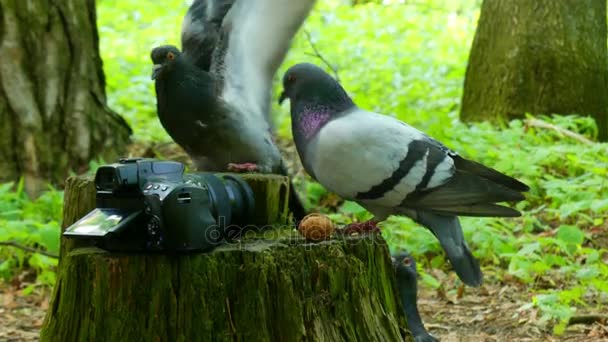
[[310, 121]]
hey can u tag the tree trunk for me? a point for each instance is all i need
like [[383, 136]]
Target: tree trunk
[[539, 57], [271, 286], [52, 92]]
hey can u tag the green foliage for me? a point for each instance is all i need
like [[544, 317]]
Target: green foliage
[[411, 68], [33, 224], [402, 60], [128, 30]]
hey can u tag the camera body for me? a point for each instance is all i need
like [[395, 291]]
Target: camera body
[[151, 205]]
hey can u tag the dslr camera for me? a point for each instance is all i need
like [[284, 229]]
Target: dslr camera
[[151, 205]]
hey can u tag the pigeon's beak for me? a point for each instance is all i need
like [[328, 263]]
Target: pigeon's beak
[[156, 70], [283, 97]]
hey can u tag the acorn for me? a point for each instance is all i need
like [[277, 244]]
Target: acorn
[[316, 227]]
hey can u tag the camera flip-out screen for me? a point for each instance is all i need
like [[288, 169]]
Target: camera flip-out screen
[[100, 222]]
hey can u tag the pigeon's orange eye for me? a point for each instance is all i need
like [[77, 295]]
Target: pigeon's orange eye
[[291, 79], [170, 56], [407, 261]]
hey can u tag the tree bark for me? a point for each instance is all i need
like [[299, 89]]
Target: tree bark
[[52, 92], [272, 286], [538, 57]]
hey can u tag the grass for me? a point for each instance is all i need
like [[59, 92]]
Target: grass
[[407, 61]]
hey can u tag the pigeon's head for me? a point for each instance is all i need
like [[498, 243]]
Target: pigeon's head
[[308, 84], [164, 58], [405, 265]]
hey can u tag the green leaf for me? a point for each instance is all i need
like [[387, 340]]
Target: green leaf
[[352, 208], [49, 237], [570, 234], [28, 290], [429, 280]]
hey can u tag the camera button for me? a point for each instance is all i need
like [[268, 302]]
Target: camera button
[[156, 187], [164, 188], [148, 187]]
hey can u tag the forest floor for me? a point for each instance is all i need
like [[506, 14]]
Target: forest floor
[[493, 313], [21, 315], [490, 313]]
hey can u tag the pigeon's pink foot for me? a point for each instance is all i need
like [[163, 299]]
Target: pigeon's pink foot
[[243, 167], [361, 228]]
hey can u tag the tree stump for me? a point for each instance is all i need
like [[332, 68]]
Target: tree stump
[[271, 285]]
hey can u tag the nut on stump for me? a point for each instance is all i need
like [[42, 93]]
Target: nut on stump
[[316, 227]]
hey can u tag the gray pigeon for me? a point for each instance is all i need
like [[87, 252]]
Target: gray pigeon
[[390, 167], [407, 282]]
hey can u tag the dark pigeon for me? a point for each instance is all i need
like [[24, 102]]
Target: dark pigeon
[[391, 168], [407, 282], [199, 120], [213, 98]]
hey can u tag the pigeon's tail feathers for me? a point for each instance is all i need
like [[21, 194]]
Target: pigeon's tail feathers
[[481, 210], [489, 174], [448, 231], [201, 30], [466, 194], [256, 35], [468, 188]]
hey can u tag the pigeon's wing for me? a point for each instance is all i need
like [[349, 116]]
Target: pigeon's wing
[[201, 30], [473, 189], [256, 35], [382, 162], [368, 157], [481, 170]]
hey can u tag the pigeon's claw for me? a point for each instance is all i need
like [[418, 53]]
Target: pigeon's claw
[[242, 167], [370, 226]]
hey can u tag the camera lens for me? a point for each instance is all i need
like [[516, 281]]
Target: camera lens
[[241, 199], [231, 197]]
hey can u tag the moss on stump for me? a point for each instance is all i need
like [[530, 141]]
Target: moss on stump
[[270, 286]]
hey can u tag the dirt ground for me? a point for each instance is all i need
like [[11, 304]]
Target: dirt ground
[[494, 313], [490, 313], [21, 316]]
